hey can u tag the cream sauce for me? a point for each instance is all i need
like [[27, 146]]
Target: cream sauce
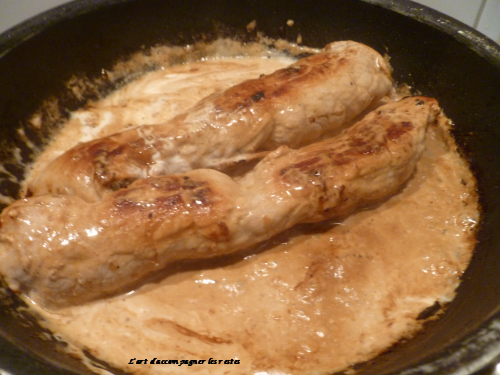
[[316, 299]]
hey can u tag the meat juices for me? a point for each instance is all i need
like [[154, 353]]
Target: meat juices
[[315, 298]]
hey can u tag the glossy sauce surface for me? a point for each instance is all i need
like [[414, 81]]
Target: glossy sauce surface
[[314, 299]]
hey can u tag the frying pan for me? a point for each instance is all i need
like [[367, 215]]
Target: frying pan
[[435, 54]]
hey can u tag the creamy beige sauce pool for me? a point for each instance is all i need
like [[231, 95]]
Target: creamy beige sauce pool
[[316, 299]]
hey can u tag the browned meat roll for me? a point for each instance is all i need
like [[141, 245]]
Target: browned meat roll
[[293, 106], [64, 250]]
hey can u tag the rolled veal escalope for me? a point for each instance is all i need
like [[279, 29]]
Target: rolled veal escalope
[[63, 250], [293, 106]]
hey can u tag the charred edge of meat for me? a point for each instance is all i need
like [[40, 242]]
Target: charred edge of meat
[[429, 311], [119, 184]]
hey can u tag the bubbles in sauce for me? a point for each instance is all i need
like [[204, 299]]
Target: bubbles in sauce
[[315, 299]]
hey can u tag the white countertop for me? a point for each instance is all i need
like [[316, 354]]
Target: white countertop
[[484, 15]]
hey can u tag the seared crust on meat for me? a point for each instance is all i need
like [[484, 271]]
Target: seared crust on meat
[[67, 251], [293, 106]]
